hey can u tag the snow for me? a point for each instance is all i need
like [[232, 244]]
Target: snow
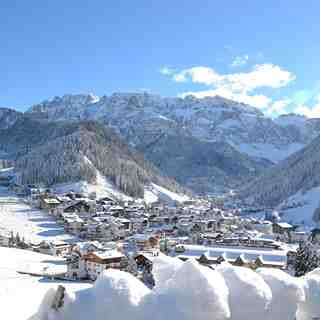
[[154, 193], [250, 296], [302, 215], [188, 290], [32, 224], [102, 188], [268, 151], [291, 120], [20, 294], [118, 294], [310, 308], [281, 282], [164, 268]]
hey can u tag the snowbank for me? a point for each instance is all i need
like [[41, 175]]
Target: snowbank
[[250, 296], [188, 291], [310, 308], [118, 295], [286, 291], [193, 292], [164, 268]]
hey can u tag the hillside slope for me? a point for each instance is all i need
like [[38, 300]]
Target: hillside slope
[[56, 152], [298, 173]]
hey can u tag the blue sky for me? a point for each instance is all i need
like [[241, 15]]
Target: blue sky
[[262, 52]]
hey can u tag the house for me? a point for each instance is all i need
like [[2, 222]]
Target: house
[[96, 262], [56, 248], [145, 241], [142, 260], [78, 206], [48, 203], [282, 228]]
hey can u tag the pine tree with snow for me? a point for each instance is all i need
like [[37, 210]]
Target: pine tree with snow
[[306, 259]]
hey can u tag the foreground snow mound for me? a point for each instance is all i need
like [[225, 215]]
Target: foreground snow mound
[[310, 308], [287, 293], [194, 292], [117, 295], [47, 312], [164, 268], [190, 291], [250, 296]]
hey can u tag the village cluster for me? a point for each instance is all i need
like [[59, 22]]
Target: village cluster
[[129, 235]]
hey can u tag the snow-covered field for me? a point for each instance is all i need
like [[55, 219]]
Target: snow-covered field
[[20, 294], [32, 224], [303, 214]]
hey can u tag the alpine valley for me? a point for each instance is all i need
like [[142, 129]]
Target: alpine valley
[[204, 146]]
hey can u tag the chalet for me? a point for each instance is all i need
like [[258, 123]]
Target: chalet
[[96, 262], [78, 206], [282, 228], [57, 248], [142, 260], [82, 248], [145, 241], [48, 203]]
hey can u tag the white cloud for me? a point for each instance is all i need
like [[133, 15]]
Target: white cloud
[[279, 107], [310, 112], [239, 61], [238, 86], [263, 75], [200, 74], [166, 71]]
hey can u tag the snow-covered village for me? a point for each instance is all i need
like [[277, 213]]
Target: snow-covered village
[[159, 160]]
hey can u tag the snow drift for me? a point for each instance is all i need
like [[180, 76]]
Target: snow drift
[[187, 291]]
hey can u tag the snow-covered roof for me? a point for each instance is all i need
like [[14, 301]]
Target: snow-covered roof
[[108, 254], [284, 225], [231, 254]]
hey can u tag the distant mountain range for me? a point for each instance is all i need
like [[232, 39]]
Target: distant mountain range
[[207, 145]]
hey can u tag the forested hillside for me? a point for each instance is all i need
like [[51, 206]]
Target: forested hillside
[[54, 152], [299, 172]]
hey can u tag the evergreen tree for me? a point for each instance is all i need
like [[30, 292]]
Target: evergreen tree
[[17, 239], [306, 260], [11, 240]]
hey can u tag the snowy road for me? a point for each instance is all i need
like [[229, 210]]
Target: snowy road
[[32, 224]]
